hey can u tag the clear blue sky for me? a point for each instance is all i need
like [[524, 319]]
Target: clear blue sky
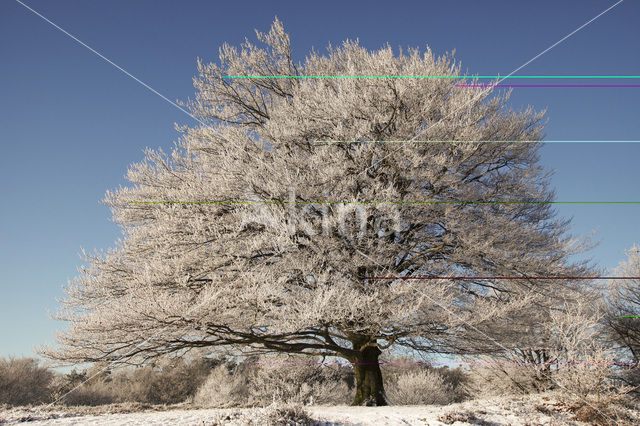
[[71, 123]]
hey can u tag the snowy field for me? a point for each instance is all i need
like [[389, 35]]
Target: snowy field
[[533, 410]]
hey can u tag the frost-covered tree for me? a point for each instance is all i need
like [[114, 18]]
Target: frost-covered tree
[[622, 322], [624, 305], [290, 220]]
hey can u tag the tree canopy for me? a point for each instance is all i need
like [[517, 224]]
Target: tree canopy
[[270, 225]]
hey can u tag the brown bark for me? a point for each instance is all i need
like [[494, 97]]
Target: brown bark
[[369, 385]]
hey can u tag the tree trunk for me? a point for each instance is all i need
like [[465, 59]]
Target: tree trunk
[[369, 388]]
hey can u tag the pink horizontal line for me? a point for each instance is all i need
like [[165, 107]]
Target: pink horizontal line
[[503, 278], [548, 85], [442, 363]]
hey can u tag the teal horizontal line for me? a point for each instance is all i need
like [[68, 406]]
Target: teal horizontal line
[[431, 76], [382, 202], [478, 141]]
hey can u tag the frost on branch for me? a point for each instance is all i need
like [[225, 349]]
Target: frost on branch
[[622, 319]]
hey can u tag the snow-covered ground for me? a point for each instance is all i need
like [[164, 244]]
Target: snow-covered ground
[[531, 410]]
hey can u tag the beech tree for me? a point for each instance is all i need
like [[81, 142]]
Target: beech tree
[[283, 221]]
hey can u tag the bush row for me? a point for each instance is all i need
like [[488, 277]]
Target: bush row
[[298, 381], [220, 383]]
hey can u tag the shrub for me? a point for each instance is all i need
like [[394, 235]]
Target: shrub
[[261, 385], [91, 395], [284, 415], [274, 414], [579, 363], [438, 386], [622, 329], [298, 384], [503, 379], [83, 388], [588, 371], [426, 386], [23, 381], [223, 389], [630, 376], [169, 382]]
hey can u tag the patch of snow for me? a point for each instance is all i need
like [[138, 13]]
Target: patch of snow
[[529, 410]]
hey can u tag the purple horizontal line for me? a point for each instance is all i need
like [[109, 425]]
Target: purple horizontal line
[[442, 363], [547, 85], [503, 278]]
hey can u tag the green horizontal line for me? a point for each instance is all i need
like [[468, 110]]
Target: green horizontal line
[[384, 202], [628, 316], [480, 141], [430, 76]]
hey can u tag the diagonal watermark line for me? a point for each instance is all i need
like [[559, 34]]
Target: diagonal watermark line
[[133, 77], [110, 61], [504, 78], [565, 37], [129, 74]]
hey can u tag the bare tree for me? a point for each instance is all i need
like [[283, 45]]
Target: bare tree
[[285, 232], [622, 321]]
